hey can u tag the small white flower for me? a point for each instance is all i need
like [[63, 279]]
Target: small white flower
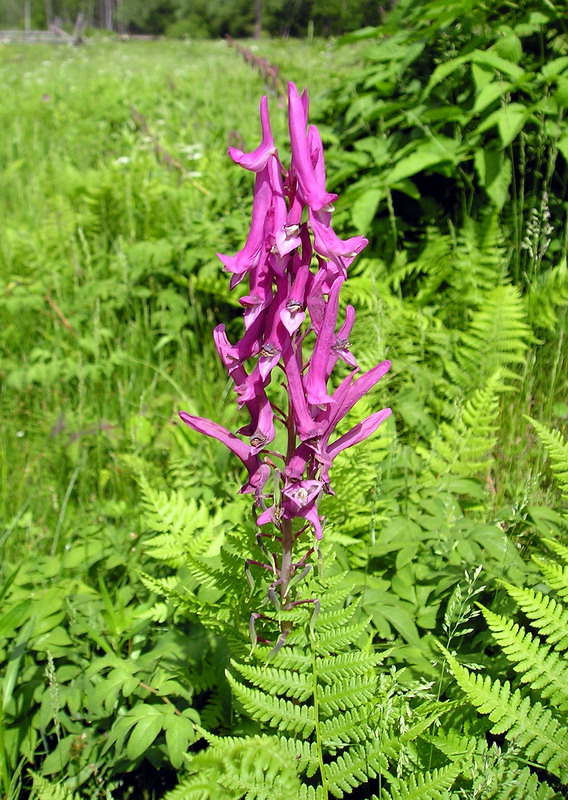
[[122, 160]]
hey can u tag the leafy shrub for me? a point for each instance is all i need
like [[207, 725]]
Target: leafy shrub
[[455, 108]]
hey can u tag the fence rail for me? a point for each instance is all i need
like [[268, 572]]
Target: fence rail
[[35, 37]]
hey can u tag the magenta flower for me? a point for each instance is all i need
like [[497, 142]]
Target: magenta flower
[[258, 159], [291, 329]]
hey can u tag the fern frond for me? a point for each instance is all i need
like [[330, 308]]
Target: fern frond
[[254, 768], [45, 790], [524, 784], [530, 726], [339, 638], [557, 450], [276, 681], [354, 767], [464, 447], [431, 785], [344, 695], [304, 754], [546, 613], [310, 793], [182, 525], [555, 575], [281, 714], [343, 729], [495, 340], [537, 664], [349, 665]]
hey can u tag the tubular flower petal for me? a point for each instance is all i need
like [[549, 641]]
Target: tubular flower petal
[[311, 191], [235, 445], [254, 250], [316, 378], [258, 159]]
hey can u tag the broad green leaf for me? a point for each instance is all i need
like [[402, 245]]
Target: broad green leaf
[[424, 157], [490, 59], [179, 734], [554, 68], [442, 71], [510, 48], [495, 172], [15, 658], [511, 121], [12, 620], [402, 620], [490, 93], [482, 75], [406, 556], [407, 187], [561, 93], [364, 209], [143, 734], [562, 145], [60, 757]]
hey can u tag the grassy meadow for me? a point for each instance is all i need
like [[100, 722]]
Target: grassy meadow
[[124, 246], [123, 595]]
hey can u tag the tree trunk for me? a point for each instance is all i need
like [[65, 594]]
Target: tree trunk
[[257, 18], [48, 11], [107, 15]]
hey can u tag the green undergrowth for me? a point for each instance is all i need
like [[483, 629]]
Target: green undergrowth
[[127, 665]]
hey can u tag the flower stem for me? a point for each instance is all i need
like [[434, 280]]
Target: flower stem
[[286, 566]]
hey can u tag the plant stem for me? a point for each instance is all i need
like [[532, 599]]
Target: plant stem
[[286, 564]]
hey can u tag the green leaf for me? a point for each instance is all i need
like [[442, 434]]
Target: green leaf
[[495, 172], [364, 209], [481, 76], [424, 156], [11, 621], [11, 672], [144, 733], [490, 93], [552, 69], [510, 48], [179, 734], [490, 59], [442, 71], [401, 619], [59, 758], [561, 93], [562, 145], [511, 121]]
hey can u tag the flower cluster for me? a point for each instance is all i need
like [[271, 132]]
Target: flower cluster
[[296, 265]]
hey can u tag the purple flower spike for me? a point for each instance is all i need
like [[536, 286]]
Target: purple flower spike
[[290, 304], [258, 159]]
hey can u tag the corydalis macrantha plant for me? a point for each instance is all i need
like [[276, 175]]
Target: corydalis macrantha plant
[[295, 269]]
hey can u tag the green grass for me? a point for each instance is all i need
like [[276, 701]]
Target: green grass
[[109, 284]]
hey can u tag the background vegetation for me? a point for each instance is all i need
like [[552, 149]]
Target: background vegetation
[[201, 18], [122, 585]]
